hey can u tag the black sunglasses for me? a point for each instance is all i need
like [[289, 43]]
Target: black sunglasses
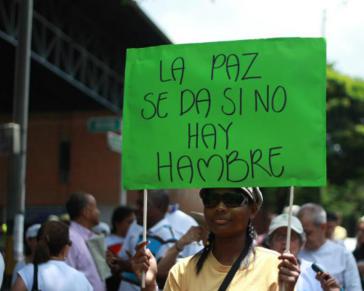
[[230, 199]]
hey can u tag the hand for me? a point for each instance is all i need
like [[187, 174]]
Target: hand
[[193, 234], [112, 261], [144, 261], [328, 283], [361, 267], [289, 270]]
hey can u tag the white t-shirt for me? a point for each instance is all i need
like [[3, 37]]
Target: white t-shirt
[[338, 262], [2, 268], [19, 265], [131, 240], [307, 279], [181, 223], [55, 276]]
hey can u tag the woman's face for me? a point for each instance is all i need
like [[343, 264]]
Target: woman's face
[[278, 240], [228, 220], [123, 226]]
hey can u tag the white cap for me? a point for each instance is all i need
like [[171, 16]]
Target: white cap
[[282, 221], [255, 194], [295, 209], [32, 231]]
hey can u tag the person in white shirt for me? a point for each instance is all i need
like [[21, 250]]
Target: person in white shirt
[[121, 220], [163, 236], [2, 268], [131, 240], [121, 263], [31, 243], [165, 242], [332, 257], [180, 221], [160, 233], [183, 223], [49, 272], [277, 239]]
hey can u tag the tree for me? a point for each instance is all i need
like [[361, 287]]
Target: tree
[[345, 128], [345, 147]]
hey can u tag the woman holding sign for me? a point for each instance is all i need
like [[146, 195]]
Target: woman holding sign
[[229, 260]]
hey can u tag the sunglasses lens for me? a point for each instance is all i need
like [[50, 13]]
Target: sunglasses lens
[[210, 200], [233, 199], [230, 199]]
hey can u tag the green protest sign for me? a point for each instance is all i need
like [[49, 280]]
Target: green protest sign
[[225, 114]]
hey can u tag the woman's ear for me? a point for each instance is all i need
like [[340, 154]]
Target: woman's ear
[[64, 251], [85, 212]]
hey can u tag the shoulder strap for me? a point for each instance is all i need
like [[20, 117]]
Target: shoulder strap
[[230, 275], [235, 267], [35, 278], [170, 231]]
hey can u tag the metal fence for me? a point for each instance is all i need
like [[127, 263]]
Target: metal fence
[[63, 56]]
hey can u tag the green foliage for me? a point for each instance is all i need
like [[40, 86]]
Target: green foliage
[[332, 194], [347, 200], [345, 128]]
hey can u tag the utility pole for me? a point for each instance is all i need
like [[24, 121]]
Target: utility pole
[[323, 22], [17, 167], [342, 3]]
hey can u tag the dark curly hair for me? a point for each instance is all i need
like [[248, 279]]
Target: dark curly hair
[[52, 237]]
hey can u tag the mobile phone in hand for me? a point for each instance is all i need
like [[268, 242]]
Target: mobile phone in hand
[[316, 268]]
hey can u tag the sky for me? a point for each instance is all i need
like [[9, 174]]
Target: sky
[[340, 21]]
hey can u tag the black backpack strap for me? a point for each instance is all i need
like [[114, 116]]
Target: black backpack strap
[[35, 278]]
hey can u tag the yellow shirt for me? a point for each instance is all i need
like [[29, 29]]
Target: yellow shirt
[[261, 274]]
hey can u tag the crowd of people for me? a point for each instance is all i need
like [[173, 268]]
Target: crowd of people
[[216, 250]]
